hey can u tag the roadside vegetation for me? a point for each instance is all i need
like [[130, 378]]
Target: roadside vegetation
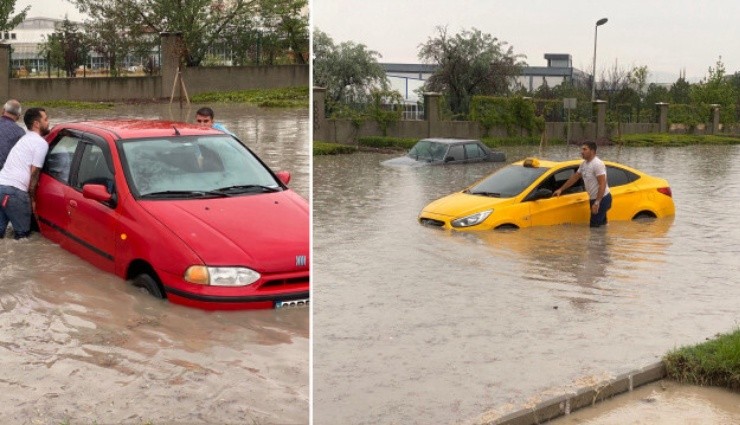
[[326, 148], [68, 104], [288, 97], [662, 139], [715, 362]]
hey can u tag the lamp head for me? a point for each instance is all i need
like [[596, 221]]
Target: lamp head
[[601, 21]]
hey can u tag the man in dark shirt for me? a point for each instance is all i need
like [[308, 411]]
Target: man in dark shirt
[[10, 132]]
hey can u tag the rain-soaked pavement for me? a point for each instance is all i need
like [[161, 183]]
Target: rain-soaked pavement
[[81, 346], [415, 325]]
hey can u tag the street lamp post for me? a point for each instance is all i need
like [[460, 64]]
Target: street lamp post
[[600, 22]]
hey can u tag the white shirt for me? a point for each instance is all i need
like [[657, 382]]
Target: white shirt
[[30, 150], [589, 170]]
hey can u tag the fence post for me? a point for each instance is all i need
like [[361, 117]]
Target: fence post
[[600, 130], [4, 72], [432, 112], [715, 117], [319, 113], [662, 117]]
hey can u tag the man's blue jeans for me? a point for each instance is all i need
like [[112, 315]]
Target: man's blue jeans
[[15, 207], [599, 219]]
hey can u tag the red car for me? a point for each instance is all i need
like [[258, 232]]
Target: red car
[[186, 212]]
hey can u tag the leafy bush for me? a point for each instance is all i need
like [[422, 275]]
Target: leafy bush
[[511, 113], [324, 148], [387, 142], [288, 97]]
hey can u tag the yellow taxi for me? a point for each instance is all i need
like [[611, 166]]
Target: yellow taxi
[[520, 195]]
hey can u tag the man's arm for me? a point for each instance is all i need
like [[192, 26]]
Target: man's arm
[[570, 182], [35, 172]]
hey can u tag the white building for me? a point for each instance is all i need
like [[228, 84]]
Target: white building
[[25, 40]]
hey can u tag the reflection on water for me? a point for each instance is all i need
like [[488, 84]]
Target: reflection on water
[[417, 325], [81, 346]]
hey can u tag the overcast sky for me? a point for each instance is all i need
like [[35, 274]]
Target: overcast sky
[[666, 35], [49, 9]]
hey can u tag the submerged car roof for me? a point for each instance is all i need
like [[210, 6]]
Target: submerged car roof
[[133, 128], [448, 140]]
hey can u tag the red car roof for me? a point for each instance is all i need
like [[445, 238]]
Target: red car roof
[[136, 128]]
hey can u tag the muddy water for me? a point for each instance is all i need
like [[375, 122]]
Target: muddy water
[[416, 325], [663, 403], [81, 346]]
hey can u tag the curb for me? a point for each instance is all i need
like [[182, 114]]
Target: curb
[[584, 397]]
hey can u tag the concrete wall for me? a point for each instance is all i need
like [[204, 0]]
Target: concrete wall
[[197, 80], [85, 89]]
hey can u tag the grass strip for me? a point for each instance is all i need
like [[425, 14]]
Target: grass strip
[[663, 139], [68, 104], [715, 362], [287, 97]]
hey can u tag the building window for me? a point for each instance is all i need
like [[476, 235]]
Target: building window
[[6, 36], [12, 36]]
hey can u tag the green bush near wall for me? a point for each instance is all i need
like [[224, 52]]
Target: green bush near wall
[[324, 148], [664, 139], [387, 142], [512, 113]]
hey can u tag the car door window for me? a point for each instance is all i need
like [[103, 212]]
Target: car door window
[[457, 152], [94, 168], [59, 159], [617, 176], [561, 176], [473, 151]]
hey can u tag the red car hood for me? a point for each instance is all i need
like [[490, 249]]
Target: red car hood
[[265, 232]]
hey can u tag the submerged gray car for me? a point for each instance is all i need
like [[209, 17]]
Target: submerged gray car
[[447, 151]]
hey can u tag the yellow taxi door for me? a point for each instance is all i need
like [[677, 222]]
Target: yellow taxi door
[[570, 207]]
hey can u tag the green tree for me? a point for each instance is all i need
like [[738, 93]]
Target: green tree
[[469, 63], [638, 80], [113, 33], [64, 47], [680, 92], [289, 22], [348, 70], [715, 88], [201, 22], [8, 20]]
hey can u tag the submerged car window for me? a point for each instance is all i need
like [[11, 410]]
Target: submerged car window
[[507, 182], [618, 176], [59, 158], [194, 164], [456, 152], [427, 150], [473, 151]]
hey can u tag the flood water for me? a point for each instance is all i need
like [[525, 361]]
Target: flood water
[[418, 325], [81, 346]]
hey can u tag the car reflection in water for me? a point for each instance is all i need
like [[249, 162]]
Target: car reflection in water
[[188, 213], [447, 152], [577, 260]]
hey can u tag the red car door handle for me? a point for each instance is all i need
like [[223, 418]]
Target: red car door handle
[[73, 203]]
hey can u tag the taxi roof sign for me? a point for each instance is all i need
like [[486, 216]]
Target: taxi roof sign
[[531, 162]]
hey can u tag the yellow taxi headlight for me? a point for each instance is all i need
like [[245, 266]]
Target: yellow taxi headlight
[[472, 219]]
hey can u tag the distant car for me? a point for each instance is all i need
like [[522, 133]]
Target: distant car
[[447, 151], [186, 212], [520, 195]]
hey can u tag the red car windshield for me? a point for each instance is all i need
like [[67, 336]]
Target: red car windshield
[[193, 166]]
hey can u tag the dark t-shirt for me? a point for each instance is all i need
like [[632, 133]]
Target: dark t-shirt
[[10, 132]]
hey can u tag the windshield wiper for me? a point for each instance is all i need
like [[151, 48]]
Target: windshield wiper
[[184, 194], [242, 188]]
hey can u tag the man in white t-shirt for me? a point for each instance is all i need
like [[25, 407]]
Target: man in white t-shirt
[[593, 172], [20, 174]]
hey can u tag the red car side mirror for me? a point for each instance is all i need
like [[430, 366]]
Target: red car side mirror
[[284, 176], [97, 192]]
